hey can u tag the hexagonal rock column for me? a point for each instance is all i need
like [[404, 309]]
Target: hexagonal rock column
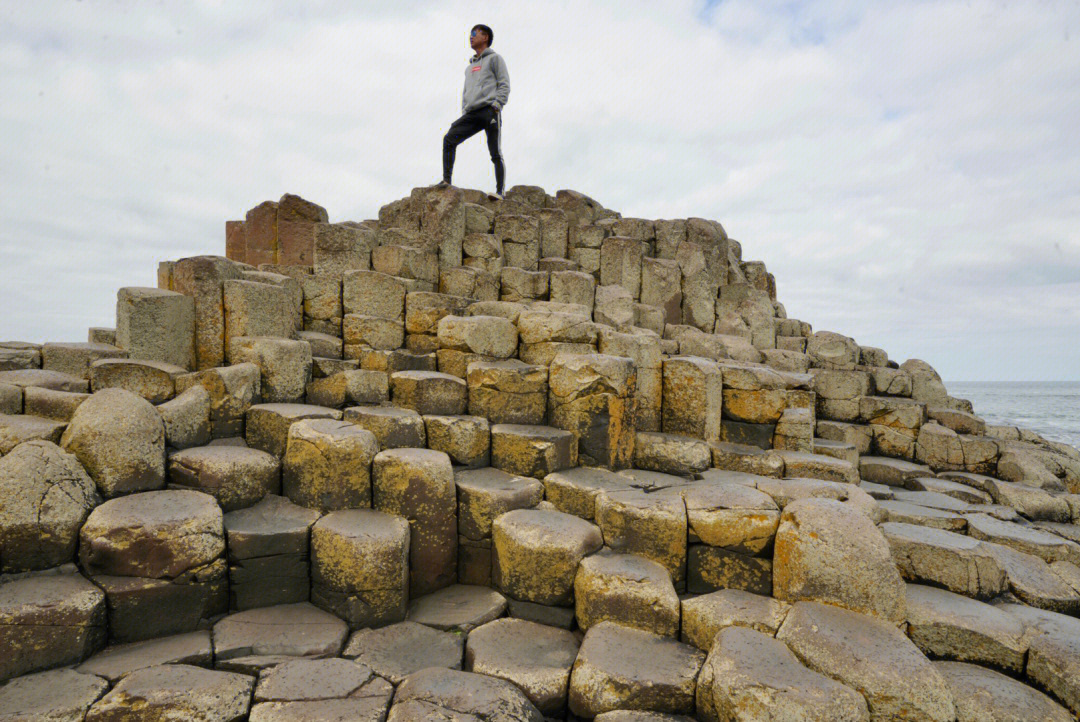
[[48, 619], [360, 566], [897, 680], [536, 554], [268, 553], [828, 552], [393, 428], [466, 439], [47, 496], [154, 381], [574, 491], [652, 525], [233, 389], [267, 426], [202, 278], [751, 675], [429, 392], [237, 477], [592, 396], [120, 439], [418, 484], [284, 365], [623, 668], [703, 617], [535, 657], [158, 556], [187, 419], [327, 465], [484, 494], [534, 451], [176, 691], [692, 397], [483, 335], [508, 392], [156, 325], [628, 590]]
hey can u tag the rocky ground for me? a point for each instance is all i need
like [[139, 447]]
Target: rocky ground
[[516, 459]]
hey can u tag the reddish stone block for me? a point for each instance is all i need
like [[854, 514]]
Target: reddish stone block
[[296, 242], [235, 244], [261, 234]]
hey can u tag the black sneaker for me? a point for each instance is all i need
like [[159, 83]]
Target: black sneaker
[[443, 184]]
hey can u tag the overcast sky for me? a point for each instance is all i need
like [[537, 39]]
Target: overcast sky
[[909, 171]]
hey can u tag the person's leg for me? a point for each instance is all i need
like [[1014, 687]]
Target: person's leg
[[493, 129], [464, 127]]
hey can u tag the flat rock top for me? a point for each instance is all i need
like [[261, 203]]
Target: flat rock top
[[543, 528], [916, 534], [723, 476], [391, 412], [626, 567], [398, 650], [296, 411], [198, 456], [527, 431], [458, 607], [635, 656], [465, 693], [427, 376], [520, 646], [362, 523], [651, 480], [587, 477], [180, 687], [743, 657], [272, 526], [288, 629], [60, 694], [55, 380], [725, 495], [182, 511], [311, 679], [113, 663], [49, 599], [982, 693], [490, 479], [933, 606]]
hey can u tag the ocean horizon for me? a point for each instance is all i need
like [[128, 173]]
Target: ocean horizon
[[1050, 408]]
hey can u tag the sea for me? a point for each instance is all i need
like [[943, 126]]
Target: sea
[[1050, 408]]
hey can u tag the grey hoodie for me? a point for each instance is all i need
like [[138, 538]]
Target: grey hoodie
[[486, 82]]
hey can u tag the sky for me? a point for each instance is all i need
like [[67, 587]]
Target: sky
[[909, 171]]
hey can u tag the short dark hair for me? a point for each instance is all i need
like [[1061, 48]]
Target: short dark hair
[[486, 31]]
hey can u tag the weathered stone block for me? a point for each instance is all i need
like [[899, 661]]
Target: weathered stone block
[[154, 381], [156, 325], [393, 427], [692, 397], [418, 484], [327, 465], [284, 365], [235, 476], [232, 389], [267, 425], [465, 439], [536, 554], [360, 566]]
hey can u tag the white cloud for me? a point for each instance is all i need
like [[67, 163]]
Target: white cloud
[[909, 171]]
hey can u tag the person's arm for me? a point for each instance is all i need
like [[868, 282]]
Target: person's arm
[[502, 82]]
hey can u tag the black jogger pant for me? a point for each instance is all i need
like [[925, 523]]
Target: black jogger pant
[[468, 125]]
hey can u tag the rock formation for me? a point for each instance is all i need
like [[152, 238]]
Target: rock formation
[[518, 459]]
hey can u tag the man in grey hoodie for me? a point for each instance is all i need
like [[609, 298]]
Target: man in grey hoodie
[[487, 87]]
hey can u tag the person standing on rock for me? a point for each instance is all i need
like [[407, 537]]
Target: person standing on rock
[[487, 87]]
